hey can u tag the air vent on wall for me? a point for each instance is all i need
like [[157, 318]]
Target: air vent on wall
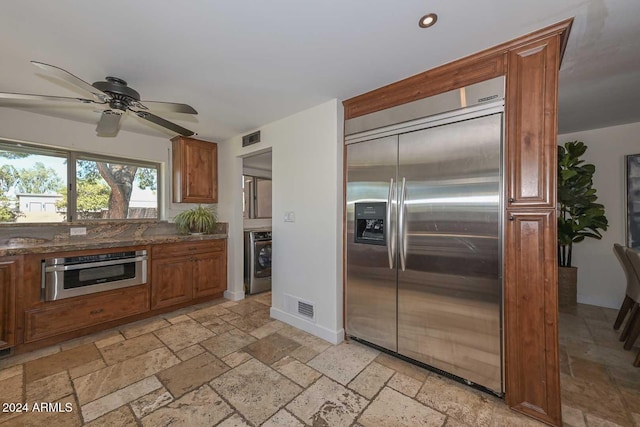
[[252, 138], [300, 307]]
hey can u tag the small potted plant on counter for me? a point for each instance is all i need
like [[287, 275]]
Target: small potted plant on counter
[[579, 215], [198, 220]]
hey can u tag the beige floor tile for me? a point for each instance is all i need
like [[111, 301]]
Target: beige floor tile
[[327, 403], [304, 353], [219, 329], [133, 347], [252, 321], [60, 361], [236, 358], [588, 370], [87, 368], [190, 352], [11, 372], [49, 389], [392, 409], [105, 342], [234, 420], [371, 380], [304, 338], [88, 339], [594, 421], [255, 390], [28, 357], [296, 371], [228, 342], [457, 401], [343, 362], [143, 327], [121, 417], [201, 407], [271, 348], [263, 298], [504, 417], [398, 365], [572, 417], [246, 307], [268, 329], [148, 403], [283, 418], [178, 319], [228, 304], [183, 334], [109, 379], [11, 390], [599, 399], [208, 313], [452, 422], [189, 375], [112, 401], [230, 316], [405, 384]]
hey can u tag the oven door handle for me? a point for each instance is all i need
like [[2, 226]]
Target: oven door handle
[[53, 268]]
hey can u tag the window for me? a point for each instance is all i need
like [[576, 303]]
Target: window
[[47, 185]]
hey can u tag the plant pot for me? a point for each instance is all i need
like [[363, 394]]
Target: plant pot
[[567, 286]]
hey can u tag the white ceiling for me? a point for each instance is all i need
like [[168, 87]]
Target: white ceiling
[[242, 64]]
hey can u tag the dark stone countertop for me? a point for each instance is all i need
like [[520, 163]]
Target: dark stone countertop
[[26, 246]]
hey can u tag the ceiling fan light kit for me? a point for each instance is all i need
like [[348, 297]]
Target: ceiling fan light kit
[[117, 94]]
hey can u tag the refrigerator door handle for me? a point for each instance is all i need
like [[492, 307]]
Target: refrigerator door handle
[[401, 224], [387, 225]]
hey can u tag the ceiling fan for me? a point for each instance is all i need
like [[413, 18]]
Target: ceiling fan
[[114, 93]]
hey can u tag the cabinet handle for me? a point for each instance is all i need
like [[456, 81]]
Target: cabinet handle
[[96, 311], [511, 200], [512, 218]]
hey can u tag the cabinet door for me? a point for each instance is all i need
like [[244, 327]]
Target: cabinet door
[[171, 281], [195, 171], [531, 315], [209, 274], [531, 112], [9, 270]]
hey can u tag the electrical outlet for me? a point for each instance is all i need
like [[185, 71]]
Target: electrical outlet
[[289, 216], [78, 231]]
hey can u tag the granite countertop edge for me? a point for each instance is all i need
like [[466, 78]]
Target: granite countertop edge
[[74, 244]]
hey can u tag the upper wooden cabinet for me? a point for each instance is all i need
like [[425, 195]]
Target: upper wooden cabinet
[[531, 151], [195, 171], [9, 271]]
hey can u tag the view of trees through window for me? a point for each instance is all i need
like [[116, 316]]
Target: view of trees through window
[[34, 187]]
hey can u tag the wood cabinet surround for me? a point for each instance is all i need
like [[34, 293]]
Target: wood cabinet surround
[[179, 274], [10, 274], [530, 64], [195, 170]]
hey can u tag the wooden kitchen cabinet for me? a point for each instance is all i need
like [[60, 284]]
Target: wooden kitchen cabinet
[[9, 273], [184, 271], [195, 171]]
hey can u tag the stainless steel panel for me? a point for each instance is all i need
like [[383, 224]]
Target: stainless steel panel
[[450, 292], [487, 91], [371, 278]]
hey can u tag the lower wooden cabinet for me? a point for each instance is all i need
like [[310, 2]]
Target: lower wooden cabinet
[[9, 272], [182, 271], [65, 316]]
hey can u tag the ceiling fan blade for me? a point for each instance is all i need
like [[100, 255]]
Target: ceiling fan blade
[[29, 97], [76, 81], [164, 123], [109, 123], [165, 107]]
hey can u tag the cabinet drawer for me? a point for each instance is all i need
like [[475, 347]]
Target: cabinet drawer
[[186, 248], [85, 311]]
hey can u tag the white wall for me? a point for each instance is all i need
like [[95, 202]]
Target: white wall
[[307, 179], [600, 278], [56, 132]]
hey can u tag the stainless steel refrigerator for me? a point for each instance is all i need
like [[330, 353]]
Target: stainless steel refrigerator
[[424, 239]]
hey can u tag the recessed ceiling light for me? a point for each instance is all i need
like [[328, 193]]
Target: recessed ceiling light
[[427, 20]]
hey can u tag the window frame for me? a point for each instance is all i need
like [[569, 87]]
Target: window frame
[[72, 156]]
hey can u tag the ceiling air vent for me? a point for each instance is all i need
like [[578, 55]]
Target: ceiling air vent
[[252, 138]]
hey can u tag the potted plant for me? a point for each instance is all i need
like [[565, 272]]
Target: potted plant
[[198, 220], [579, 216]]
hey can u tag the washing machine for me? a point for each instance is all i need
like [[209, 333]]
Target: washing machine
[[257, 261]]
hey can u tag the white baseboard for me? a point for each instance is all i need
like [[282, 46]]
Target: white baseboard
[[233, 296], [334, 337]]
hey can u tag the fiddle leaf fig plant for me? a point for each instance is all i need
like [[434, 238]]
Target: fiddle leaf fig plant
[[579, 215], [198, 220]]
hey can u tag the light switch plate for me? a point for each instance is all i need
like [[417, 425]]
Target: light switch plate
[[289, 216], [78, 231]]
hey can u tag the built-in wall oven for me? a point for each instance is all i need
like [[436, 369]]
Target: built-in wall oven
[[81, 275]]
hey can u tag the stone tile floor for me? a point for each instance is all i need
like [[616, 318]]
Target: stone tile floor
[[229, 364]]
